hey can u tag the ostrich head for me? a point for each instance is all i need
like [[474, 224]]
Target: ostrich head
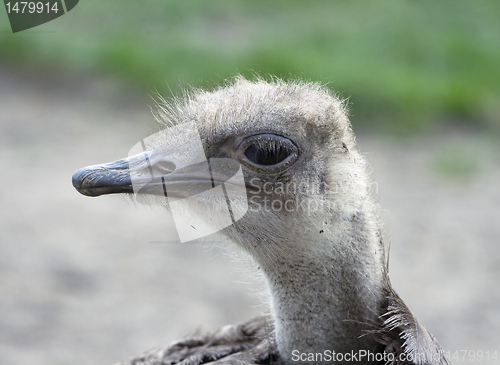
[[308, 218]]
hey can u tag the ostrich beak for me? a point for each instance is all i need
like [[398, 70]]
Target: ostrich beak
[[154, 174]]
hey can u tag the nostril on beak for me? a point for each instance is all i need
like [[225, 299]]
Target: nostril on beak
[[165, 167]]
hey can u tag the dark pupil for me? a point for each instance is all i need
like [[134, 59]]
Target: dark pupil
[[266, 157]]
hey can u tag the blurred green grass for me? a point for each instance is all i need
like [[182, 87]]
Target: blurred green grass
[[405, 65]]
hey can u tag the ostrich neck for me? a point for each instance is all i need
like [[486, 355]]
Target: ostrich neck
[[325, 297]]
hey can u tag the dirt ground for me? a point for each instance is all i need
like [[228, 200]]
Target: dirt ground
[[85, 280]]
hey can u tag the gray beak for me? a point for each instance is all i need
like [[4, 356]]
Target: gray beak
[[152, 174], [109, 178], [204, 194]]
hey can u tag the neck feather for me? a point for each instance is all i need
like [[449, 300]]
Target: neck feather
[[326, 289]]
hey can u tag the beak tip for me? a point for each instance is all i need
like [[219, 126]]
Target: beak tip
[[77, 178], [78, 181], [103, 179]]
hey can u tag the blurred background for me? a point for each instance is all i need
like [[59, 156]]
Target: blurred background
[[88, 281]]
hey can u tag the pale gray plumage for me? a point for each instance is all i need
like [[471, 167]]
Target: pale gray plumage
[[325, 268]]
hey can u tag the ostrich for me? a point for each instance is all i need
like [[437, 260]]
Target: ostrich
[[325, 269]]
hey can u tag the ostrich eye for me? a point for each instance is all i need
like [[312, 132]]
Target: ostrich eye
[[266, 156], [269, 151]]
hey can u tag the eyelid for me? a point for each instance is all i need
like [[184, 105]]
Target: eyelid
[[269, 144], [249, 139]]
